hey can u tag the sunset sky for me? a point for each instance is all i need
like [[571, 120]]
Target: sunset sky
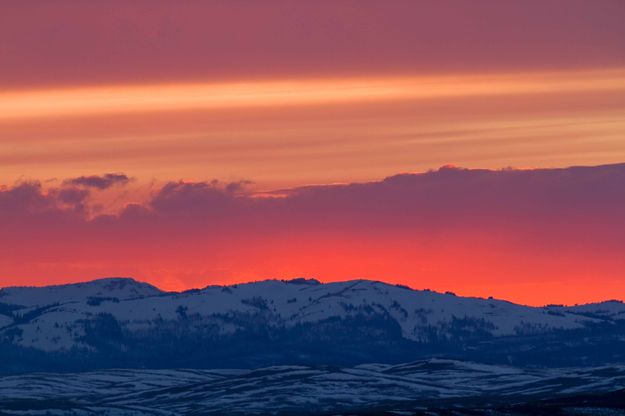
[[427, 143]]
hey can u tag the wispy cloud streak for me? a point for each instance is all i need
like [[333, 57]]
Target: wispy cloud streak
[[76, 102]]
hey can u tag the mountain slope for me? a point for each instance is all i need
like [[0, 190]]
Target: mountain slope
[[612, 310], [431, 384]]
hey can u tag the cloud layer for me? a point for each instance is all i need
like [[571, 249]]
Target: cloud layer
[[527, 235], [293, 93]]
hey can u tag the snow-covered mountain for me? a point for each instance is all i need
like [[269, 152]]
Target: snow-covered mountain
[[122, 322], [113, 287]]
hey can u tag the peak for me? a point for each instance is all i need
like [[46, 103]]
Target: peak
[[116, 281], [111, 287], [121, 283], [109, 283], [303, 281]]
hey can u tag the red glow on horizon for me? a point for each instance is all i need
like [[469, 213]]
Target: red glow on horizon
[[479, 272], [527, 236]]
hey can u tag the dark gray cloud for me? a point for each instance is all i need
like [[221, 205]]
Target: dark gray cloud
[[99, 181]]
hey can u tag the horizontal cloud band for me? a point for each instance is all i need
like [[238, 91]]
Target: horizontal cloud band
[[104, 100]]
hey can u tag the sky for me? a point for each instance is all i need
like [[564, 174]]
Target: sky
[[428, 143]]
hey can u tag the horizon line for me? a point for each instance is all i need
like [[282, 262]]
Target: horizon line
[[305, 279]]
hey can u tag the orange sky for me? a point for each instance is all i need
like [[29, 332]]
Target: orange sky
[[303, 131], [293, 94]]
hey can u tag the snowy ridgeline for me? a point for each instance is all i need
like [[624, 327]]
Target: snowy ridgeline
[[121, 322], [300, 389]]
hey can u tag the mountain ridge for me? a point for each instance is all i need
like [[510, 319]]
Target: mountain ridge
[[295, 280], [118, 321]]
